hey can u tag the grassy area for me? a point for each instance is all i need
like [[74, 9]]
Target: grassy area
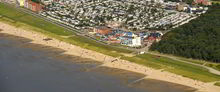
[[216, 2], [11, 13], [206, 63], [213, 65], [23, 20], [92, 45], [193, 61], [176, 67], [217, 84], [19, 19]]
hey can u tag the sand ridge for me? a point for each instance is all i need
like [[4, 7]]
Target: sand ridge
[[107, 60]]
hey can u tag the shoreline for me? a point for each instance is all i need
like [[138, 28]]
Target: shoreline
[[37, 38]]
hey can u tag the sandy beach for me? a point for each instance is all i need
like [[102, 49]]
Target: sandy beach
[[38, 38]]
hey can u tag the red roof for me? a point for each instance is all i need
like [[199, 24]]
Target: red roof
[[151, 38], [104, 31]]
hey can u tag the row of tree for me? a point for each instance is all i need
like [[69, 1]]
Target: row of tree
[[199, 39]]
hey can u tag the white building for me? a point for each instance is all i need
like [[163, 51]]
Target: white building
[[136, 42], [21, 2], [46, 1]]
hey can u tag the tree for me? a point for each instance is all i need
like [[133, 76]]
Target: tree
[[200, 38]]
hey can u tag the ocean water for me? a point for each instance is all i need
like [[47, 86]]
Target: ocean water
[[26, 67]]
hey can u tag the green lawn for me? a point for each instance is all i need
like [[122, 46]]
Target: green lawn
[[22, 20], [11, 13], [206, 63], [193, 61], [213, 65], [217, 84], [176, 67]]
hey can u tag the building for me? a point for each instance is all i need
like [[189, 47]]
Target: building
[[9, 1], [143, 35], [113, 24], [136, 42], [204, 2], [34, 6], [182, 6], [131, 41], [151, 39], [103, 30], [26, 4], [20, 2], [46, 2]]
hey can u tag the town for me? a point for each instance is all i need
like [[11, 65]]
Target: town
[[131, 23]]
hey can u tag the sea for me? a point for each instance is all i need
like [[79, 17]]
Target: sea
[[28, 67]]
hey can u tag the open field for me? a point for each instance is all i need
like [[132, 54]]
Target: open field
[[23, 20], [213, 65], [195, 61], [206, 63], [180, 68]]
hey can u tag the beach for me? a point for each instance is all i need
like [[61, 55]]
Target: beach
[[69, 49]]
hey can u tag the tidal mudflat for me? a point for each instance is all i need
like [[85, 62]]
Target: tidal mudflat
[[27, 67]]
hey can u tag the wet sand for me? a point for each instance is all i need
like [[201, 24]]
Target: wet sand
[[69, 49], [33, 68]]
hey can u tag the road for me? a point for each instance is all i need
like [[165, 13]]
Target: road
[[211, 70]]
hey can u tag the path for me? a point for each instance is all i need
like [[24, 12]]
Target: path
[[175, 58]]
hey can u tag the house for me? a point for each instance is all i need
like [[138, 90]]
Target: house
[[136, 42], [151, 39], [131, 41], [113, 39], [102, 30], [182, 6], [130, 34], [204, 2], [143, 35], [46, 2], [126, 40], [156, 34], [21, 2], [34, 6], [118, 32], [29, 4], [9, 1], [113, 24], [26, 4]]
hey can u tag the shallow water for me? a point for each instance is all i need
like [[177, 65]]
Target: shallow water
[[26, 67]]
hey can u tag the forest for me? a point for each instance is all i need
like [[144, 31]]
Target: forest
[[198, 39]]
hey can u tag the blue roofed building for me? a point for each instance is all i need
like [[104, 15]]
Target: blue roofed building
[[130, 41]]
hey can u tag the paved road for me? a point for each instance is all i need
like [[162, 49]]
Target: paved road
[[211, 70]]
